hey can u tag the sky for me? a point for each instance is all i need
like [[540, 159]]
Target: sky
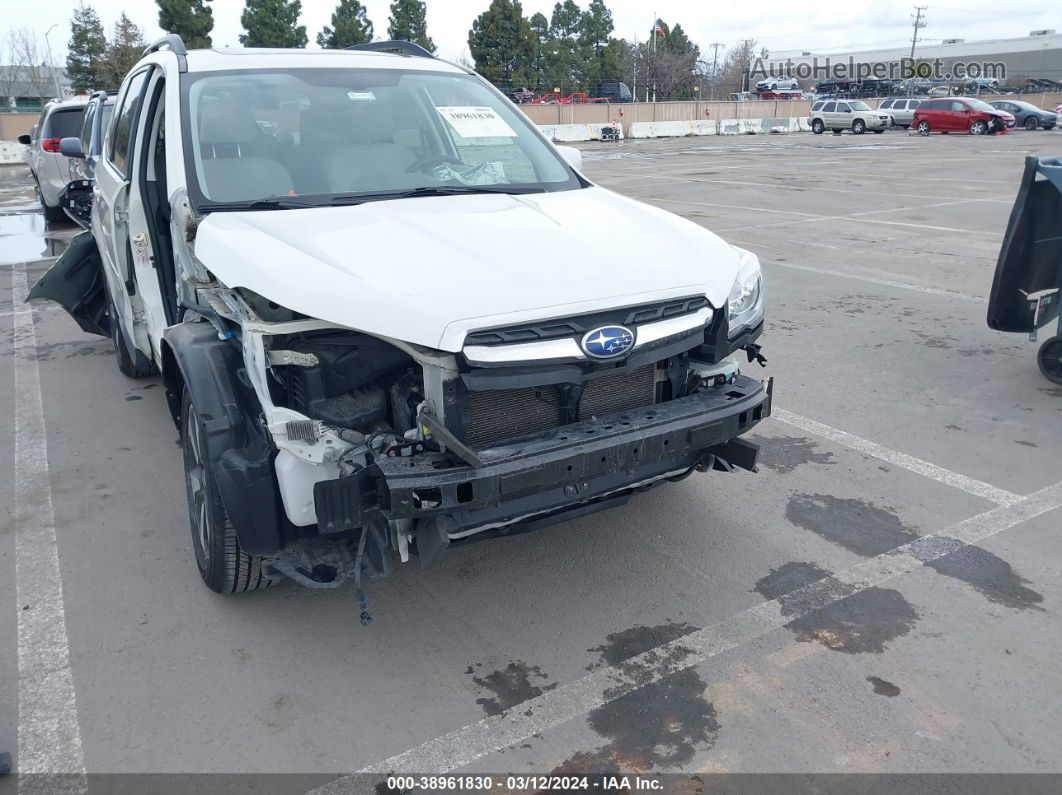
[[820, 25]]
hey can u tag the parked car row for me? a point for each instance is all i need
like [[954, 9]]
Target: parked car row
[[943, 114]]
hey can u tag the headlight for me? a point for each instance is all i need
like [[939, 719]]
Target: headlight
[[745, 304]]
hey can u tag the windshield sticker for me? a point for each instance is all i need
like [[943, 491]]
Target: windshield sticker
[[360, 95], [470, 122]]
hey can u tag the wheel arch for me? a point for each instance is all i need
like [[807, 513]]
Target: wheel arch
[[237, 442]]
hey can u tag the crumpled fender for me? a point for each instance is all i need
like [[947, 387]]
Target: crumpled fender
[[237, 443]]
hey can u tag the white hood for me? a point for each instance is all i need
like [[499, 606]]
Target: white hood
[[429, 270]]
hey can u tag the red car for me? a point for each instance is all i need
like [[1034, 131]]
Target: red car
[[960, 114]]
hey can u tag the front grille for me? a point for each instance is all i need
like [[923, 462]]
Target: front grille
[[577, 325], [497, 415]]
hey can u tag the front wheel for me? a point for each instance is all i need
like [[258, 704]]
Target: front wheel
[[1049, 358], [979, 128], [818, 127], [923, 127], [222, 563], [859, 127], [1032, 123]]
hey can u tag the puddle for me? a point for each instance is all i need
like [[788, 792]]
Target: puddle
[[783, 454], [858, 624], [511, 685], [857, 525], [883, 687], [27, 238], [660, 724], [989, 574], [788, 578]]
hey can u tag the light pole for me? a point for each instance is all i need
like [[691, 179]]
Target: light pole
[[51, 63]]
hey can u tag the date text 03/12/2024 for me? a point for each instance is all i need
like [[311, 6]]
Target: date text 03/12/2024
[[530, 783]]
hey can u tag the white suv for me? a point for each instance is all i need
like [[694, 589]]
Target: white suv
[[846, 114], [390, 315], [51, 171]]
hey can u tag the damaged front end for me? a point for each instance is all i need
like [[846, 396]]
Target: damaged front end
[[345, 448]]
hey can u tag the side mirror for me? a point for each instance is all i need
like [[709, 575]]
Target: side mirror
[[25, 140], [71, 147], [573, 156]]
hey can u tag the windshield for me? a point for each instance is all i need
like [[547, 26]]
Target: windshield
[[306, 137], [859, 106], [977, 104]]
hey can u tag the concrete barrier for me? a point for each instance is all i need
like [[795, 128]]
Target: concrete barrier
[[572, 133], [777, 126], [10, 152], [673, 129]]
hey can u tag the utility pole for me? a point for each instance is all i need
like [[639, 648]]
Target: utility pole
[[746, 78], [51, 64], [918, 23], [715, 45]]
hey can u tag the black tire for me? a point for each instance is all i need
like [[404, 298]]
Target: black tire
[[923, 127], [222, 563], [51, 214], [1032, 123], [131, 365], [818, 127], [1049, 357], [859, 127], [979, 128]]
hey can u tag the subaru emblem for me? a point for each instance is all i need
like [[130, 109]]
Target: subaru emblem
[[608, 342]]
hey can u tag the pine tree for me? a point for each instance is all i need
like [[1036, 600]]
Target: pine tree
[[272, 23], [409, 23], [350, 26], [192, 20], [125, 49], [86, 51], [502, 44]]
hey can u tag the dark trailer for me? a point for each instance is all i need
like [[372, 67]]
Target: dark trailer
[[1026, 287]]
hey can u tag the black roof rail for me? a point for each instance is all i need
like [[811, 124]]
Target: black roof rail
[[398, 47], [175, 44]]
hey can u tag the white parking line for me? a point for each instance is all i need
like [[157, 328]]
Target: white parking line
[[860, 277], [474, 741], [970, 485], [49, 737], [796, 186]]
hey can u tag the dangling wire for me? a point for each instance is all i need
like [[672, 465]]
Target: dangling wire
[[363, 600]]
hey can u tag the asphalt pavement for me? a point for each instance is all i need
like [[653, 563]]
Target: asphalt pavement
[[883, 596]]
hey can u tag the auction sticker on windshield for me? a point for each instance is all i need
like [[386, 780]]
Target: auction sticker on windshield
[[470, 122]]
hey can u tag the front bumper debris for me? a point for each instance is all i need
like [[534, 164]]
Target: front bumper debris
[[553, 472]]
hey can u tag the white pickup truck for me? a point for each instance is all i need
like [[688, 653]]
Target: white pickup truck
[[391, 316]]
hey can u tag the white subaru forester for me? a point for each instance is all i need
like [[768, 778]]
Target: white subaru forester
[[391, 316]]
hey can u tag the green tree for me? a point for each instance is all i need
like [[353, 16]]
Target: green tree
[[350, 26], [566, 62], [409, 23], [503, 45], [600, 56], [192, 20], [86, 51], [125, 49], [544, 46], [272, 23]]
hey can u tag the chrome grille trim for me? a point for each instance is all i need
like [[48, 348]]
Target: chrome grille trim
[[568, 348]]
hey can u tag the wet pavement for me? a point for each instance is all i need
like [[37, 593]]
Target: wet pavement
[[883, 596]]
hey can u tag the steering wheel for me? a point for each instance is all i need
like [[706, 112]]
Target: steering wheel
[[429, 161]]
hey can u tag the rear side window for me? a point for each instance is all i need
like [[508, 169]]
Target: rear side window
[[829, 107], [120, 145], [63, 123]]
